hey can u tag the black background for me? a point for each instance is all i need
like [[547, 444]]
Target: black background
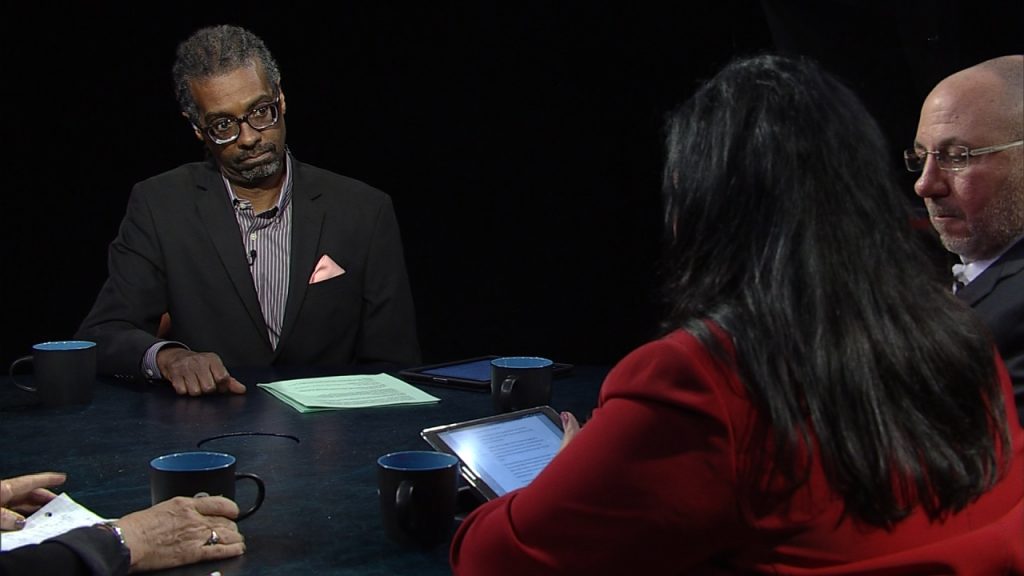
[[520, 141]]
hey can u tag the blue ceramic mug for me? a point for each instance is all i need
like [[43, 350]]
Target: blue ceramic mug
[[198, 474], [63, 372], [520, 382], [418, 492]]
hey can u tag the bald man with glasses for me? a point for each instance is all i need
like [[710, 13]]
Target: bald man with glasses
[[969, 150]]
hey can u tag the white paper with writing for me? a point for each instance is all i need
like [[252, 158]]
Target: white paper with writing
[[360, 391], [56, 517]]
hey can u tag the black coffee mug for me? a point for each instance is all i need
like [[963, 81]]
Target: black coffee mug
[[418, 492], [520, 382], [198, 474], [64, 372]]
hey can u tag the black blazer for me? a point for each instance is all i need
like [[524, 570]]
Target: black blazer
[[84, 551], [179, 250], [997, 295]]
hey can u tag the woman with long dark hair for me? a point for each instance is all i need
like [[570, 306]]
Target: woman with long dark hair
[[819, 403]]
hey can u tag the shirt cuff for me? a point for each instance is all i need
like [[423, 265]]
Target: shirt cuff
[[149, 367]]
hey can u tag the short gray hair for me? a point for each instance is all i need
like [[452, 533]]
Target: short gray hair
[[217, 50]]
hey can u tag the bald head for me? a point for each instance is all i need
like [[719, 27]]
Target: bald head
[[995, 88]]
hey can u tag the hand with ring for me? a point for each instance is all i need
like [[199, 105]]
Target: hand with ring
[[182, 531]]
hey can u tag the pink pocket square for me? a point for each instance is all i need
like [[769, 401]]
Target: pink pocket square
[[325, 270]]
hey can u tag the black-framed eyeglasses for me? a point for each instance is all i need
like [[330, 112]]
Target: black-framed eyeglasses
[[953, 158], [227, 129]]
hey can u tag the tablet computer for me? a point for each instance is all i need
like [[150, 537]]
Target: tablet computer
[[469, 374], [498, 454]]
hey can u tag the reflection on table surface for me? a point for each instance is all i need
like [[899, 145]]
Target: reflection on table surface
[[321, 512]]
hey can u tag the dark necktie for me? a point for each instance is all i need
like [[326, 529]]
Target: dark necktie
[[959, 277]]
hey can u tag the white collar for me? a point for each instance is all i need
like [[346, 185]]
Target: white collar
[[968, 271]]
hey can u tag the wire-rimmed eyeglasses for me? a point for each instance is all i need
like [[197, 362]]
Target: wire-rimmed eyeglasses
[[953, 158], [227, 129]]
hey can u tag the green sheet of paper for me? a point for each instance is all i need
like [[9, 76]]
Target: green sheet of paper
[[337, 392]]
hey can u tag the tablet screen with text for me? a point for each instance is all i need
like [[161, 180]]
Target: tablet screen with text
[[501, 453]]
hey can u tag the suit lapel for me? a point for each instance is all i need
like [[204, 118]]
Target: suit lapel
[[218, 217], [307, 222], [1008, 264]]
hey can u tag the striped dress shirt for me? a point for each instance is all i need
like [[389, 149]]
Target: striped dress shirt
[[268, 246]]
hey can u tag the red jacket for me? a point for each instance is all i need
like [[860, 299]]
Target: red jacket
[[651, 486]]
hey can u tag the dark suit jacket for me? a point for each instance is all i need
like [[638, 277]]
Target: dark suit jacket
[[179, 250], [997, 295], [84, 551]]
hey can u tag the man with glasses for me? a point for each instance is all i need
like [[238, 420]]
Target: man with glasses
[[969, 150], [251, 258]]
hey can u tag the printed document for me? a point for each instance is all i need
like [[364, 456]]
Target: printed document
[[334, 392]]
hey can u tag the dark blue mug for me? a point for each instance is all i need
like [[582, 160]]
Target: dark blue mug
[[198, 474], [520, 382], [418, 492], [64, 372]]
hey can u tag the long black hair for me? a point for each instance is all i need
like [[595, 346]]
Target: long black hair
[[786, 228]]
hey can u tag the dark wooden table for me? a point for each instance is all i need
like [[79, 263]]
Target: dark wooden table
[[321, 513]]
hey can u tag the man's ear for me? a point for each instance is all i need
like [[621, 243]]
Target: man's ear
[[280, 94], [195, 129]]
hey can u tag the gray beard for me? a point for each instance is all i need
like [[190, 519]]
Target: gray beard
[[262, 171], [1000, 225]]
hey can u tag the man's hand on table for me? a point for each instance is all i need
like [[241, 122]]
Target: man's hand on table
[[196, 373]]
